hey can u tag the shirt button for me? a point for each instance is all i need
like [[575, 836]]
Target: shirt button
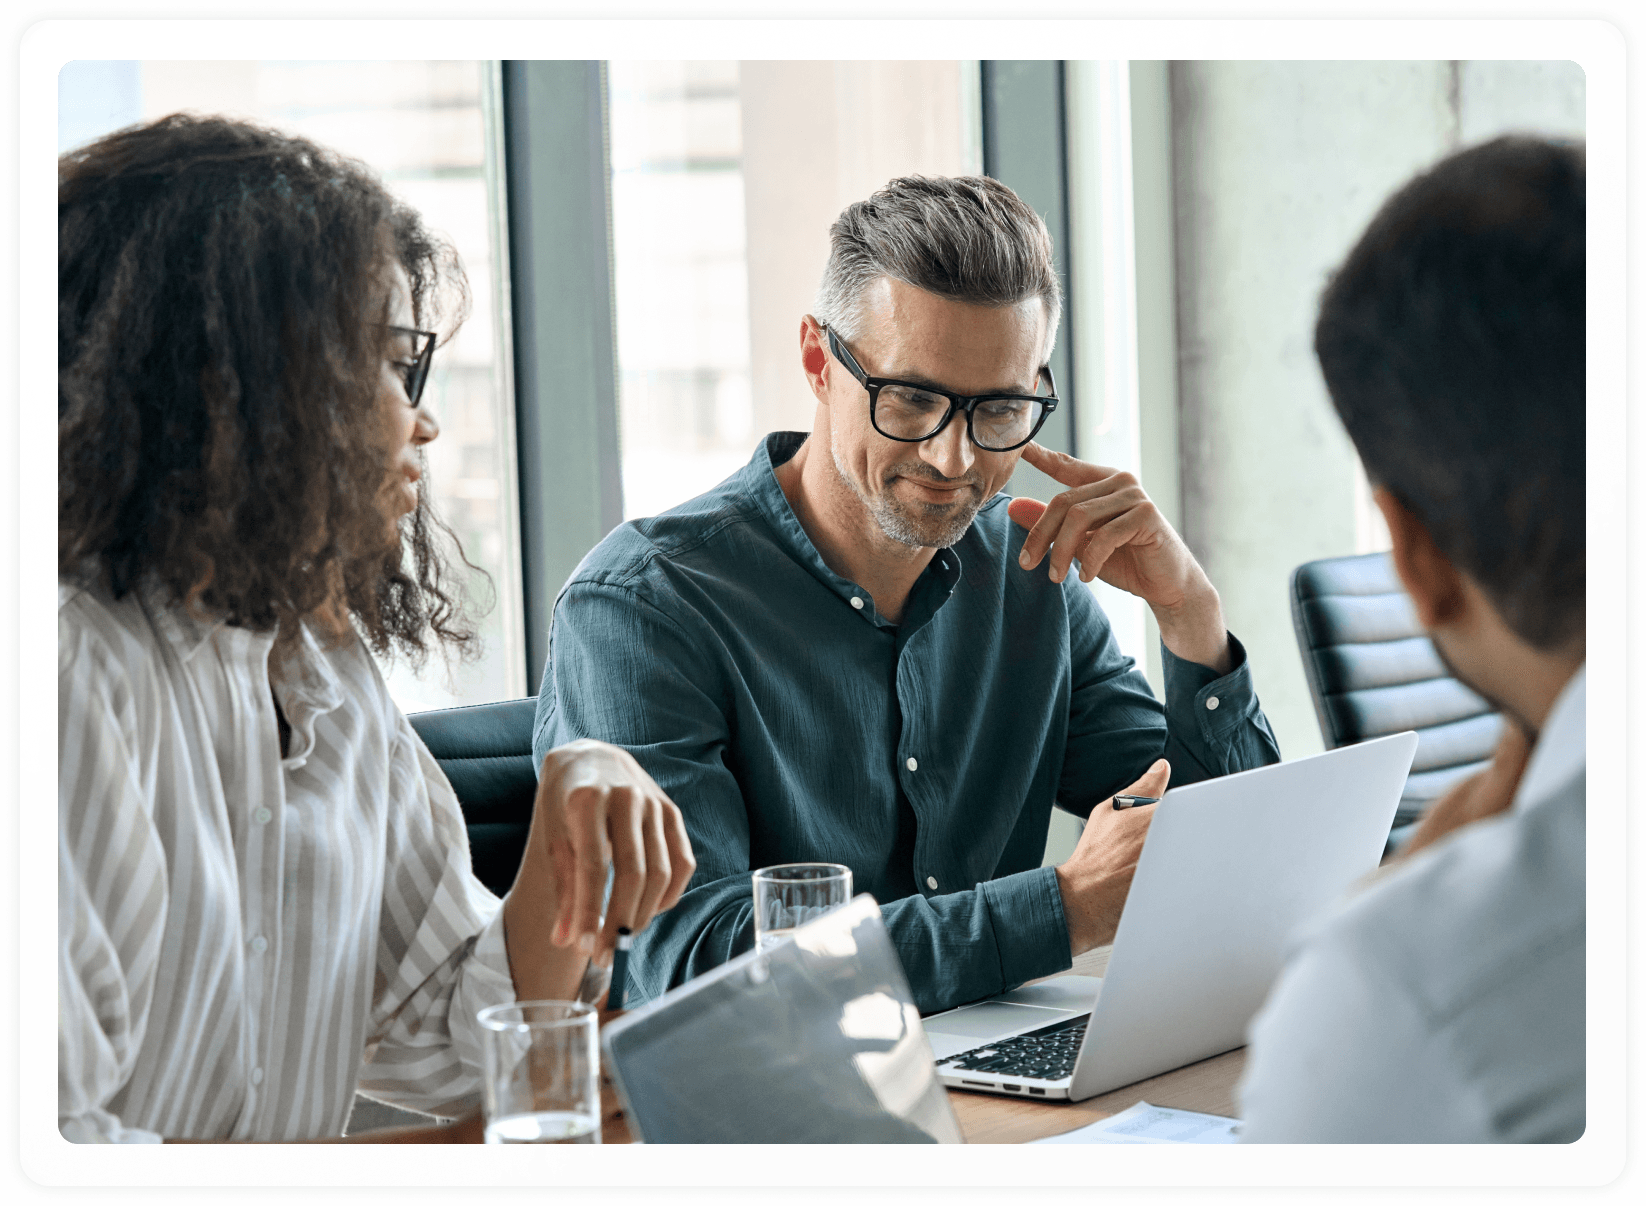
[[259, 944], [912, 764], [257, 1076], [1211, 703], [262, 816], [857, 603], [931, 882]]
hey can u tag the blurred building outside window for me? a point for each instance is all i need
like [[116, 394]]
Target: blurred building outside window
[[429, 129], [725, 179]]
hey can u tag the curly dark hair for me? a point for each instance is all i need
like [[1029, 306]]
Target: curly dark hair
[[221, 295]]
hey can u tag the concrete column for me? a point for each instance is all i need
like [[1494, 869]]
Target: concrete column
[[1278, 166], [1277, 169], [1497, 96]]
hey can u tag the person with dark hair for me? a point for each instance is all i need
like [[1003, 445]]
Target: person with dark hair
[[265, 901], [1445, 1002], [840, 654]]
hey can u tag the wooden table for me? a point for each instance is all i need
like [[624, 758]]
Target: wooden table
[[992, 1118], [1207, 1086]]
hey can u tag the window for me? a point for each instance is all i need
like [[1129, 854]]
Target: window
[[725, 178], [681, 278], [428, 128]]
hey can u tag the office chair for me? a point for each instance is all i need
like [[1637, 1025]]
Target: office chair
[[486, 752], [1372, 671]]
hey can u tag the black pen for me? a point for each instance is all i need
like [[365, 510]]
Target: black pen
[[1135, 801], [620, 969]]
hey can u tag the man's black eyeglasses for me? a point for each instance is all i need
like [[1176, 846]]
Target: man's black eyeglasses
[[909, 413], [416, 374]]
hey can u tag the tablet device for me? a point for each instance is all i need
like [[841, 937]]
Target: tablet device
[[816, 1040]]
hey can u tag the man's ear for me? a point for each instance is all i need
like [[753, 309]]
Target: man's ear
[[1432, 581], [814, 358]]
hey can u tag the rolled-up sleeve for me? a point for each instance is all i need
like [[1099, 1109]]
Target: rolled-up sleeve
[[623, 671], [111, 895], [441, 956], [103, 986]]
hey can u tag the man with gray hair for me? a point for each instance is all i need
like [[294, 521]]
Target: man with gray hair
[[842, 653]]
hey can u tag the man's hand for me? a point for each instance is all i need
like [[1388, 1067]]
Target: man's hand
[[595, 807], [1481, 795], [1094, 880], [1107, 523]]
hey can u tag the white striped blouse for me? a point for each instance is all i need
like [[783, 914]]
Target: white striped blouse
[[245, 939]]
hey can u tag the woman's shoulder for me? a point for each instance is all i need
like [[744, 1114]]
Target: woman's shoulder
[[90, 620], [111, 658], [78, 603]]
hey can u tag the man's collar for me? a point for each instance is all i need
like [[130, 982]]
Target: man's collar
[[767, 494], [1559, 754]]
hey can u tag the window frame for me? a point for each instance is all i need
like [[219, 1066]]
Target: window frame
[[558, 167]]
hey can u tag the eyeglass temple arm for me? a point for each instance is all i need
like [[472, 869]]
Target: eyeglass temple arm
[[842, 355]]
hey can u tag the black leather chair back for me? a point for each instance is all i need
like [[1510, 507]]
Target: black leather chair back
[[486, 752], [1372, 671]]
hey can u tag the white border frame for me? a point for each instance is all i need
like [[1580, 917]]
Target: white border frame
[[1596, 1159]]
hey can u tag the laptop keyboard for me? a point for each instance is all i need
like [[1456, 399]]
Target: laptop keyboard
[[1045, 1054]]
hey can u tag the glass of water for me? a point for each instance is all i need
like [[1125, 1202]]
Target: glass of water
[[792, 894], [542, 1081]]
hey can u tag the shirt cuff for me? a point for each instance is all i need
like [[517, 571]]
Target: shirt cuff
[[1030, 930], [1211, 704]]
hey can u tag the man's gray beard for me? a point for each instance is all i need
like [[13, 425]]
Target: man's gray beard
[[927, 531]]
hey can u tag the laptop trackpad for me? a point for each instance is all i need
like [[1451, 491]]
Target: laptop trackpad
[[1078, 993], [1026, 1008], [986, 1020], [970, 1026]]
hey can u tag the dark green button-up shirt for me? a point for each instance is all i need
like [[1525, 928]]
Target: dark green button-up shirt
[[792, 723]]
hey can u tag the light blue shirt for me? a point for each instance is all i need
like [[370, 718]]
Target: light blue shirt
[[1444, 1004]]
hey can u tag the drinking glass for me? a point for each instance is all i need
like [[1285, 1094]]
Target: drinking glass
[[792, 894], [542, 1081]]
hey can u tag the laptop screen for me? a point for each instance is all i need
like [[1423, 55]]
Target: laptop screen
[[816, 1040]]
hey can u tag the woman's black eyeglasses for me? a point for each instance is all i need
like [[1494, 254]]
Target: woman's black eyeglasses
[[416, 374], [903, 411]]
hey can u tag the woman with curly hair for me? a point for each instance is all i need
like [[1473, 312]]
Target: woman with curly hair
[[265, 898]]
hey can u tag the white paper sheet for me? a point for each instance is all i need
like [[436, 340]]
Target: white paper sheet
[[1145, 1123]]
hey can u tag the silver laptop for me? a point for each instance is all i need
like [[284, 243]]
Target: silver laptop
[[815, 1040], [1230, 868]]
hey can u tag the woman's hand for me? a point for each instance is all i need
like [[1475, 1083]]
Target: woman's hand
[[595, 807]]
